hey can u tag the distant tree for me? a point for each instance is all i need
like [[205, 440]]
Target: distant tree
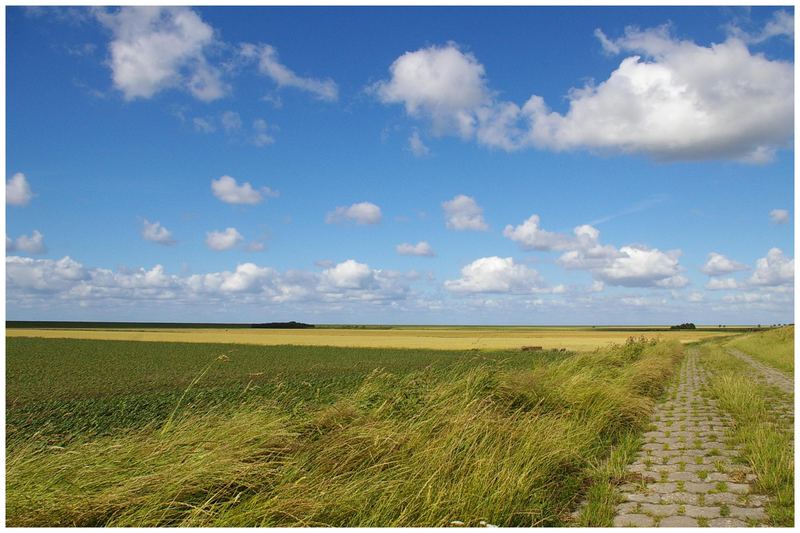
[[685, 325]]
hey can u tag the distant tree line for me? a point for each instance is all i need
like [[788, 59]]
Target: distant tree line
[[686, 325], [282, 325]]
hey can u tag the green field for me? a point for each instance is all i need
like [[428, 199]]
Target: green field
[[145, 434]]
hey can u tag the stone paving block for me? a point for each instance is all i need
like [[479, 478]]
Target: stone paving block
[[702, 512], [663, 488], [699, 488], [659, 509], [633, 520], [727, 522], [680, 498], [683, 476], [678, 521], [641, 497], [756, 513]]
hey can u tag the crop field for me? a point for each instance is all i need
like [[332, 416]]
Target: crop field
[[146, 433], [435, 338]]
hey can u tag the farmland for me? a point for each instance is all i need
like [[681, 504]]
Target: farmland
[[435, 338], [131, 433]]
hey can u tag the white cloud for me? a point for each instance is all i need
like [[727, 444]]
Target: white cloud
[[638, 266], [223, 240], [532, 237], [422, 248], [439, 82], [229, 191], [42, 274], [269, 65], [360, 213], [588, 253], [718, 265], [47, 282], [231, 121], [722, 284], [497, 275], [669, 100], [773, 270], [260, 136], [18, 192], [247, 277], [695, 297], [779, 216], [33, 244], [780, 24], [417, 146], [464, 213], [159, 48], [349, 274], [155, 232], [203, 125], [628, 266]]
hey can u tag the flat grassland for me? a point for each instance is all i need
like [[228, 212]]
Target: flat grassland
[[774, 347], [434, 338], [121, 433]]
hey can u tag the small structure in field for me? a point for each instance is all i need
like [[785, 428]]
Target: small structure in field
[[531, 348]]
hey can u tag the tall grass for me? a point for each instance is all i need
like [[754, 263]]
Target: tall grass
[[775, 347], [469, 443], [767, 440]]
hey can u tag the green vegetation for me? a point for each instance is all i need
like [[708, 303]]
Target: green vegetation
[[766, 438], [342, 437], [774, 347], [65, 388]]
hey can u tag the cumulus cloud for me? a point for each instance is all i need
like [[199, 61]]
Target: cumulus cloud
[[669, 99], [497, 275], [48, 281], [231, 121], [260, 135], [439, 82], [779, 216], [229, 191], [155, 232], [464, 213], [719, 265], [159, 48], [773, 270], [283, 76], [639, 266], [360, 213], [42, 274], [18, 191], [422, 248], [721, 284], [417, 146], [628, 266], [29, 244], [223, 240], [531, 236]]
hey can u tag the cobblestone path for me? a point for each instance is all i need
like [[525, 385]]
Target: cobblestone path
[[686, 475], [767, 374]]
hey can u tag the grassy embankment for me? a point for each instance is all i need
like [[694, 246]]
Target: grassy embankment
[[512, 439], [766, 437], [774, 347]]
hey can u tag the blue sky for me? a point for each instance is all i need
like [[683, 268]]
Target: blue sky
[[648, 149]]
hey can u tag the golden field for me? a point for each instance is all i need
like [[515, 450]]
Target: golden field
[[436, 338]]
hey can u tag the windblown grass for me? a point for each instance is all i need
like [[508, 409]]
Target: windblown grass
[[471, 442], [767, 439], [774, 347]]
